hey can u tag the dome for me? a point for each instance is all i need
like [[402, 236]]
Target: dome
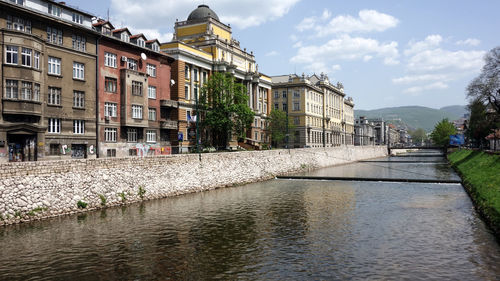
[[203, 11]]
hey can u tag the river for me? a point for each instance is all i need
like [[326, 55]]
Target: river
[[272, 230]]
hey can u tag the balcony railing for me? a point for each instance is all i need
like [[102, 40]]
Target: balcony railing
[[169, 103], [168, 124]]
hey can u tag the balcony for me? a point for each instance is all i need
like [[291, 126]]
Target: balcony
[[22, 107], [169, 103], [168, 124]]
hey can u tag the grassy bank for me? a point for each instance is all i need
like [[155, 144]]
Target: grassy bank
[[481, 175]]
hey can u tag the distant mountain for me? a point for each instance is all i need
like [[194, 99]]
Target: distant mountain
[[414, 117]]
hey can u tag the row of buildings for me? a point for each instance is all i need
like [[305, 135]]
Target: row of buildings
[[376, 131], [74, 86]]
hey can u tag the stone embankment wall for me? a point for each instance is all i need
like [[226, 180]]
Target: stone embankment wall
[[35, 190]]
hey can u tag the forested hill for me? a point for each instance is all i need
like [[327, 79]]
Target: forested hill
[[415, 116]]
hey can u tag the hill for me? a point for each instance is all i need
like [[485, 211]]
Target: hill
[[414, 116]]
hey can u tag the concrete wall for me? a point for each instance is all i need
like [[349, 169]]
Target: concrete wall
[[34, 190]]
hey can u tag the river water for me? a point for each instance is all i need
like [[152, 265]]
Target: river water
[[273, 230]]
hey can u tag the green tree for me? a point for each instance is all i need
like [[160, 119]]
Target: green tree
[[224, 109], [418, 136], [278, 127], [486, 87], [442, 131], [478, 126]]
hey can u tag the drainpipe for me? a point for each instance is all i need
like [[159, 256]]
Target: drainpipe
[[97, 148]]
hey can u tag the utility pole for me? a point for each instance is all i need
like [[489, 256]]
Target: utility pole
[[197, 127]]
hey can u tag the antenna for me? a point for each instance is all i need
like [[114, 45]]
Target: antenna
[[108, 13]]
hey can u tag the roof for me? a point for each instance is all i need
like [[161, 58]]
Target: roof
[[103, 22], [282, 78], [121, 30], [137, 36], [203, 11], [152, 41]]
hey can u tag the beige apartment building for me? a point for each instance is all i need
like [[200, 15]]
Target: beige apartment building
[[203, 45], [48, 82], [318, 110]]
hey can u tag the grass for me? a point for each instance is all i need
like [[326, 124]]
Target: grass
[[81, 204], [103, 199], [480, 172], [123, 196], [141, 192]]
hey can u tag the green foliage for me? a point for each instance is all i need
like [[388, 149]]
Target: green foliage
[[278, 127], [36, 210], [414, 116], [442, 131], [17, 214], [224, 109], [418, 135], [141, 192], [81, 204], [479, 124], [103, 199], [123, 196], [479, 172], [486, 87]]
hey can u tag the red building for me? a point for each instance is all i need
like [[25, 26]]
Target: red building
[[135, 109]]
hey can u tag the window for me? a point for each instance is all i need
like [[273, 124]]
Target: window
[[18, 24], [125, 37], [151, 69], [54, 125], [11, 89], [26, 90], [152, 114], [152, 92], [110, 135], [54, 96], [78, 70], [296, 94], [78, 42], [78, 127], [195, 91], [26, 57], [36, 60], [155, 47], [276, 95], [296, 106], [186, 92], [186, 72], [136, 88], [110, 109], [131, 64], [204, 77], [136, 111], [195, 75], [110, 59], [78, 99], [36, 92], [285, 108], [54, 10], [19, 2], [55, 149], [111, 152], [11, 54], [110, 84], [296, 120], [140, 42], [132, 152], [77, 18], [276, 106], [54, 66], [150, 136], [54, 35], [132, 134]]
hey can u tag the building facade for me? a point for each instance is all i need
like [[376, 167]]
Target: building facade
[[135, 116], [203, 45], [364, 132], [48, 82], [318, 110]]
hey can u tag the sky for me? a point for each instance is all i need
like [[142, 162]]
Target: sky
[[385, 52]]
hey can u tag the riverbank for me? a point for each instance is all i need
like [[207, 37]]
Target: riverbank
[[480, 172], [37, 190]]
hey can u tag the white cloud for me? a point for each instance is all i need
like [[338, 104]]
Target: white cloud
[[294, 37], [148, 14], [367, 21], [298, 44], [347, 48], [271, 54], [431, 67], [322, 67], [154, 33], [469, 42], [433, 86]]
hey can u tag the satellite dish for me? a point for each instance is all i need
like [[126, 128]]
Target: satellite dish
[[172, 82], [143, 56]]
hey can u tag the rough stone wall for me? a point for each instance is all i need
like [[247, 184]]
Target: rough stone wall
[[35, 190]]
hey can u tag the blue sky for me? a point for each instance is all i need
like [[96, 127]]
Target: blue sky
[[386, 53]]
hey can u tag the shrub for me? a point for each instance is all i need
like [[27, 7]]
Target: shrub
[[141, 192], [103, 199], [81, 204]]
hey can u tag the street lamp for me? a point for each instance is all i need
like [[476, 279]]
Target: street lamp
[[326, 120]]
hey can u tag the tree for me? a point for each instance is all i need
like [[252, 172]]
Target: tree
[[442, 131], [278, 127], [223, 104], [486, 87], [419, 135], [479, 124]]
